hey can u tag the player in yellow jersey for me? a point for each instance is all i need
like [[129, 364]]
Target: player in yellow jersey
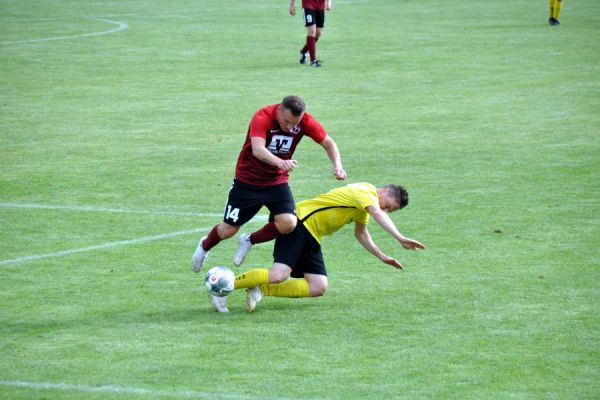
[[555, 8], [298, 254]]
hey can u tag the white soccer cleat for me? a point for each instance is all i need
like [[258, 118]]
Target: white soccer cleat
[[219, 303], [244, 248], [253, 297], [199, 256]]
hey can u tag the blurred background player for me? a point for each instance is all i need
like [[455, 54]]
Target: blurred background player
[[298, 254], [314, 20], [555, 8], [261, 176]]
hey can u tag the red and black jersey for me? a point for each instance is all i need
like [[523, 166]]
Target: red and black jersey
[[313, 4], [250, 169]]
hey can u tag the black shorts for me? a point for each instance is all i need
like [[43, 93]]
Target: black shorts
[[312, 17], [246, 200], [300, 251]]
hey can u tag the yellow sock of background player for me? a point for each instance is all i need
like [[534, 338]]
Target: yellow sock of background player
[[557, 9], [293, 288], [552, 7]]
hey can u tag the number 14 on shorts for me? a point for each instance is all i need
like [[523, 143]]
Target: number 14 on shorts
[[232, 213]]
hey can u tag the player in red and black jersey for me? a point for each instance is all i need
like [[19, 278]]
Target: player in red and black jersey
[[314, 20], [261, 176]]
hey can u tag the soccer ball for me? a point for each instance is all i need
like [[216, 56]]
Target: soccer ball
[[220, 281]]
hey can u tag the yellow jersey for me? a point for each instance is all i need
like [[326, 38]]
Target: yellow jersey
[[326, 213]]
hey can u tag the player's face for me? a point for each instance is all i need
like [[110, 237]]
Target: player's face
[[286, 120], [387, 203]]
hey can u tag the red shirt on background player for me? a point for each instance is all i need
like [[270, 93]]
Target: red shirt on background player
[[314, 20], [261, 176]]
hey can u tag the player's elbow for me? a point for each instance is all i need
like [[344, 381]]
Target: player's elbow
[[257, 152]]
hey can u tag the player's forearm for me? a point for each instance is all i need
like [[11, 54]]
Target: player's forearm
[[333, 153], [266, 156], [387, 224], [366, 241]]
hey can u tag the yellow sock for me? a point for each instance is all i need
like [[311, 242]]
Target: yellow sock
[[552, 3], [293, 288], [557, 8], [252, 278]]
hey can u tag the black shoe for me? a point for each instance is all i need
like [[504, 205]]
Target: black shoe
[[303, 57], [553, 21], [315, 63]]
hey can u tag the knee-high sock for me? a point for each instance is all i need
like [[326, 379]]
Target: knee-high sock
[[557, 9], [264, 234], [312, 47], [305, 48], [212, 239], [292, 288], [254, 277], [552, 3]]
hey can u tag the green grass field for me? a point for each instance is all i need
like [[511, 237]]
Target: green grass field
[[120, 125]]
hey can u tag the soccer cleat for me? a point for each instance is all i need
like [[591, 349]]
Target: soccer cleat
[[219, 303], [244, 247], [253, 296], [315, 63], [303, 57], [553, 21], [199, 255]]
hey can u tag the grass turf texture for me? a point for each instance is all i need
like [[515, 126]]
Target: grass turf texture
[[485, 113]]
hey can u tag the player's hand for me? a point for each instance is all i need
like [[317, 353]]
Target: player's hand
[[292, 10], [411, 244], [287, 165], [328, 5], [339, 173], [392, 261]]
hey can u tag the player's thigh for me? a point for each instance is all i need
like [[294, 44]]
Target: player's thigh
[[279, 200], [311, 259], [242, 204], [289, 248], [310, 17], [320, 19]]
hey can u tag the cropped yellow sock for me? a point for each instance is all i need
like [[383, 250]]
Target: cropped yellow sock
[[557, 9], [552, 6], [254, 277], [293, 288]]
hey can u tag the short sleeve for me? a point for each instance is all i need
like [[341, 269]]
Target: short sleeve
[[314, 129], [259, 125]]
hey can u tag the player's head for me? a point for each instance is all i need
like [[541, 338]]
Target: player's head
[[290, 112], [392, 198], [295, 104]]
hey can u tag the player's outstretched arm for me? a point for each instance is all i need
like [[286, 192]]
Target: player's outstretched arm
[[364, 237], [384, 220], [334, 155], [292, 7]]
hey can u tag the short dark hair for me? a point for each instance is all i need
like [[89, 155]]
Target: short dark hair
[[295, 104], [399, 193]]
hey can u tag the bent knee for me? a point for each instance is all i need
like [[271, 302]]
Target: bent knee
[[286, 223], [317, 290], [278, 275]]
